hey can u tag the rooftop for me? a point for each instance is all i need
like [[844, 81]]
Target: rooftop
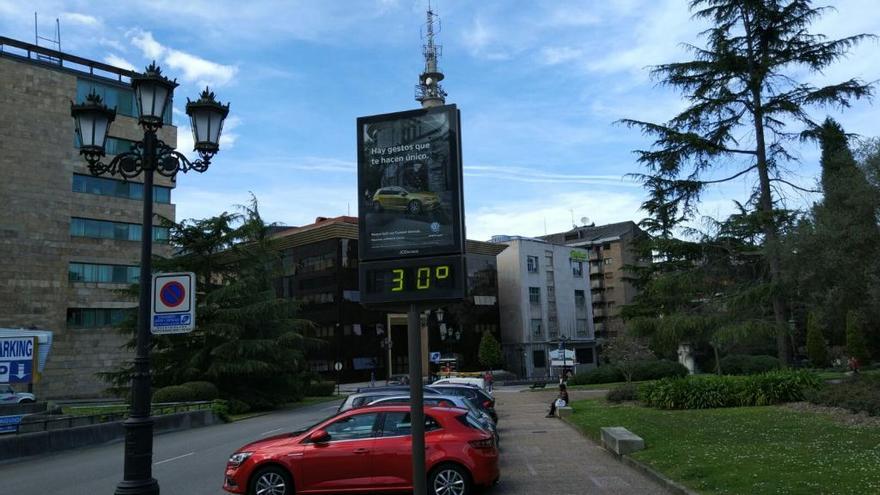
[[590, 234], [53, 59]]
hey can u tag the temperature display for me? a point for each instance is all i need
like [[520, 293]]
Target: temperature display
[[415, 279]]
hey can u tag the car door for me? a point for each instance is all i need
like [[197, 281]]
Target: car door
[[392, 455], [344, 461]]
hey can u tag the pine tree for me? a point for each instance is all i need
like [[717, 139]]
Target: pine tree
[[855, 337], [490, 351], [817, 349], [742, 83]]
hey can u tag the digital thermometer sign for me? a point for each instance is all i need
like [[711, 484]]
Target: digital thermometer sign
[[435, 278]]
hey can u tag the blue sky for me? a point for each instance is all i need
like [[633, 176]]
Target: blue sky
[[539, 84]]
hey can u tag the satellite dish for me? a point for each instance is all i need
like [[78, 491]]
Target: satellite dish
[[429, 81], [585, 220]]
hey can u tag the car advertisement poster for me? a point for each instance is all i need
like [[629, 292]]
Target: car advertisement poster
[[409, 184]]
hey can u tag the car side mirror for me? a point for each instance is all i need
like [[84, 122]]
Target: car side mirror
[[319, 436]]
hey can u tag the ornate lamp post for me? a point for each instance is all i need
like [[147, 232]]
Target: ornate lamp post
[[562, 340], [153, 93]]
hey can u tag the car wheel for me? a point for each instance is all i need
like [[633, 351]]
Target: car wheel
[[26, 401], [414, 207], [271, 481], [449, 479]]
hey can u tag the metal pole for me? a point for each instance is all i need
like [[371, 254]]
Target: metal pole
[[416, 408], [137, 474], [390, 344]]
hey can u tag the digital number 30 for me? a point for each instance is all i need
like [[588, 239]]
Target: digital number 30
[[423, 277]]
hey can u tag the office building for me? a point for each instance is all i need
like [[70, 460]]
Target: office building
[[69, 242], [544, 293]]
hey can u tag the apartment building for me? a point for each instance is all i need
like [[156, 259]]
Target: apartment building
[[69, 242], [609, 249], [544, 293]]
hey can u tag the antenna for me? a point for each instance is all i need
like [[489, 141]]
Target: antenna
[[428, 90], [56, 41], [585, 221], [573, 225]]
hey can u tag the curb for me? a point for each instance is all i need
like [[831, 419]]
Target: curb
[[667, 483]]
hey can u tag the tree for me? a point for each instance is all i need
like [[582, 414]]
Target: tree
[[490, 351], [248, 341], [625, 352], [855, 337], [740, 84], [817, 349]]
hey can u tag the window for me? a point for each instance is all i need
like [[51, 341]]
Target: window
[[532, 264], [536, 327], [609, 275], [120, 97], [103, 186], [317, 263], [111, 274], [577, 268], [103, 229], [539, 360], [551, 293], [552, 326], [352, 427], [95, 317], [580, 299], [582, 327], [317, 298], [548, 258], [608, 261], [535, 295], [398, 424], [584, 355]]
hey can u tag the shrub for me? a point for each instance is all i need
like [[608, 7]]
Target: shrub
[[221, 409], [235, 406], [321, 389], [742, 364], [710, 391], [817, 349], [855, 337], [174, 393], [654, 370], [623, 393], [858, 394], [202, 390], [602, 374]]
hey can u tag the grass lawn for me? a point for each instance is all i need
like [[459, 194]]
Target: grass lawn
[[603, 386], [754, 450]]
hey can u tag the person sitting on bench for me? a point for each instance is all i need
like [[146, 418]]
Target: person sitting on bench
[[563, 396]]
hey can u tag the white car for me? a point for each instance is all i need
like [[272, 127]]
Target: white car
[[10, 396], [460, 380]]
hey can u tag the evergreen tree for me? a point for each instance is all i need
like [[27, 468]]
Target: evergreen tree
[[742, 83], [490, 354], [817, 349], [855, 337]]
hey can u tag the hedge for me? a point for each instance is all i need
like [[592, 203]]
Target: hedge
[[858, 394], [202, 390], [711, 391], [321, 389], [743, 364], [645, 370], [174, 393]]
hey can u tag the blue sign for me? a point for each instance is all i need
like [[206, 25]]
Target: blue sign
[[173, 320], [17, 356], [9, 423], [434, 357]]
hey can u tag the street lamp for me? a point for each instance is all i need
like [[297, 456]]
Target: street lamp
[[562, 340], [153, 93]]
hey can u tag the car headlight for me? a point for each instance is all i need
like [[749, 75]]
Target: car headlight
[[237, 458]]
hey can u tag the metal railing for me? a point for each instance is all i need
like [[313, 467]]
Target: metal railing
[[72, 421]]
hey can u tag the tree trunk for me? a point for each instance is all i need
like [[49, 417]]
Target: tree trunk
[[765, 202]]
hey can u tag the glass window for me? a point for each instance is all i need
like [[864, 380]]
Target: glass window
[[577, 268], [581, 327], [532, 263], [95, 317], [115, 274], [584, 355], [580, 299], [608, 261], [398, 424], [539, 359], [536, 327], [103, 186], [103, 229], [352, 427], [535, 295], [120, 97]]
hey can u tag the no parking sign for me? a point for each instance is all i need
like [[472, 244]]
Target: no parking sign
[[174, 303]]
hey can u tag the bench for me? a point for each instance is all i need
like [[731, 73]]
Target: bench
[[538, 385], [564, 411], [621, 441]]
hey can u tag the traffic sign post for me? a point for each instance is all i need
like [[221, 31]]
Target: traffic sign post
[[174, 303], [338, 368], [18, 359]]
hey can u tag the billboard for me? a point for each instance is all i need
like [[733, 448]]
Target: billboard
[[409, 184]]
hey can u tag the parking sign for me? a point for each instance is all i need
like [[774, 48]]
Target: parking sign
[[174, 303]]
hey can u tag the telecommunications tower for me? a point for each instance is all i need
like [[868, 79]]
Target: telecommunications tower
[[428, 90]]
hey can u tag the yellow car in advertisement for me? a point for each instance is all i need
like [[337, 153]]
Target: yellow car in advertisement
[[395, 198]]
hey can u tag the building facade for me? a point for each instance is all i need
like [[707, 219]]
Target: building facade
[[69, 242], [320, 269], [610, 250], [544, 293]]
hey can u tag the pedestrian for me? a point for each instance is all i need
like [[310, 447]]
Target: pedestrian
[[854, 365], [487, 378], [561, 400], [372, 379]]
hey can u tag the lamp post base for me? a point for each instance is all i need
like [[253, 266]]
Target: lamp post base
[[139, 487]]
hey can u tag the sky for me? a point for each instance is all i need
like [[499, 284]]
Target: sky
[[540, 85]]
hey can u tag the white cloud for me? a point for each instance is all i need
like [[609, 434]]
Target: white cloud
[[149, 46], [195, 69], [117, 61], [538, 175], [229, 137], [560, 54], [80, 19]]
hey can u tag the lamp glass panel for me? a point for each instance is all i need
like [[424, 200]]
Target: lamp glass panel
[[145, 99], [160, 97], [85, 123], [200, 120], [100, 130], [216, 124]]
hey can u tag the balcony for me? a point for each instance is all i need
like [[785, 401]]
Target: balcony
[[597, 284]]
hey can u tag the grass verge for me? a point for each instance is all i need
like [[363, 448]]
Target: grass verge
[[603, 386], [753, 450], [307, 401]]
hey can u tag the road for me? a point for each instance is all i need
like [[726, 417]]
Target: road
[[188, 462]]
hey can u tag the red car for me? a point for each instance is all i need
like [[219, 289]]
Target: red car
[[365, 450]]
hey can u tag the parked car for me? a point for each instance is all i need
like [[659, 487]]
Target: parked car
[[448, 401], [395, 198], [477, 382], [478, 396], [367, 449], [361, 399], [398, 380], [10, 396]]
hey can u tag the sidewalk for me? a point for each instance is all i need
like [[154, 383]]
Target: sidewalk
[[545, 455]]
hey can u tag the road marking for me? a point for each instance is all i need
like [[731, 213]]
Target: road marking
[[270, 431], [531, 469], [173, 458]]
